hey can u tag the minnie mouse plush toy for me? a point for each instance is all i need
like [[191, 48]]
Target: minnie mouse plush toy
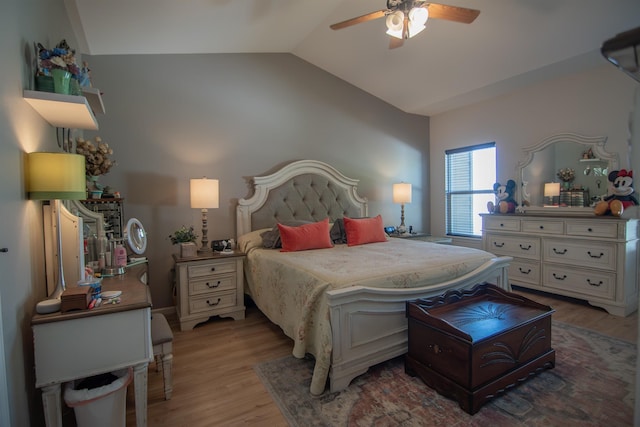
[[623, 194]]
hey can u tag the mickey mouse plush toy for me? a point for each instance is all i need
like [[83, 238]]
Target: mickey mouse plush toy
[[623, 194], [505, 198]]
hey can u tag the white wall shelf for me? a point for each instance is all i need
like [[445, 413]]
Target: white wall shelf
[[64, 111]]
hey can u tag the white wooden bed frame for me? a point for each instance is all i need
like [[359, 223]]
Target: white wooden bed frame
[[369, 325]]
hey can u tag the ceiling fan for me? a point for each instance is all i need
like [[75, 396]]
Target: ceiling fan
[[406, 18]]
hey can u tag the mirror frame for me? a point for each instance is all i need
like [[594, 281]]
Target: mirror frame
[[137, 247], [596, 143]]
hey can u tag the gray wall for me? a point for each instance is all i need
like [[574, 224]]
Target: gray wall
[[170, 118]]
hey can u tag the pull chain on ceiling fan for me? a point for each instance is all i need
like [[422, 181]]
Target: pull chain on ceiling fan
[[406, 18]]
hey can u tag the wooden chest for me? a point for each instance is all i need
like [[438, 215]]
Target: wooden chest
[[473, 345]]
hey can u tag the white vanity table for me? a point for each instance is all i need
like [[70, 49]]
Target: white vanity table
[[80, 344]]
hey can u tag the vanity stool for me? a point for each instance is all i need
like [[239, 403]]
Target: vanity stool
[[162, 340]]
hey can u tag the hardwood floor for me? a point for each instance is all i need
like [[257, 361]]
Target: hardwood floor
[[214, 383]]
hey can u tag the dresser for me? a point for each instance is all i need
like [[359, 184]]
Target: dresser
[[211, 285], [586, 257]]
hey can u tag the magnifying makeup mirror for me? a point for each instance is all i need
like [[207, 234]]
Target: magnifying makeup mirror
[[135, 236]]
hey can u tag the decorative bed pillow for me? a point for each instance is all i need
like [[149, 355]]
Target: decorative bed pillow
[[337, 233], [364, 230], [251, 240], [303, 237], [271, 238]]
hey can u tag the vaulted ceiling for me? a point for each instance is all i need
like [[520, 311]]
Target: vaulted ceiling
[[512, 43]]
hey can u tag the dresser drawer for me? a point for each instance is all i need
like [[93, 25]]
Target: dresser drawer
[[524, 271], [211, 284], [537, 226], [212, 302], [502, 223], [211, 268], [583, 281], [593, 228], [580, 252], [516, 246]]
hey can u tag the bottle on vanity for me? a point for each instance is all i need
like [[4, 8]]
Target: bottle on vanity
[[120, 256]]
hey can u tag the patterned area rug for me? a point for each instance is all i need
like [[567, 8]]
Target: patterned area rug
[[592, 384]]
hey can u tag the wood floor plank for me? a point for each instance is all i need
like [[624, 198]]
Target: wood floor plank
[[214, 383]]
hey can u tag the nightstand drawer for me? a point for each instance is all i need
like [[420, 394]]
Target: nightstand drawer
[[516, 246], [585, 253], [502, 223], [211, 284], [533, 226], [212, 302], [210, 268]]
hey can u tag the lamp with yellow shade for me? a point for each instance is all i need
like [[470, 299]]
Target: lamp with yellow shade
[[204, 195], [55, 177], [551, 194], [402, 195]]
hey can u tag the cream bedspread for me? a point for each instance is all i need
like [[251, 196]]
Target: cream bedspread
[[290, 287]]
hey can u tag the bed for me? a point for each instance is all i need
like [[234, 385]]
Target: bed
[[345, 305]]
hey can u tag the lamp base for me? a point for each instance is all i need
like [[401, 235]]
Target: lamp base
[[205, 251], [48, 306]]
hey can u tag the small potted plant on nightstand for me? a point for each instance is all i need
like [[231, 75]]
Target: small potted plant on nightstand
[[186, 238]]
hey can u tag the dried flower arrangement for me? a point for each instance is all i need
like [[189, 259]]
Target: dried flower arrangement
[[566, 174], [96, 155]]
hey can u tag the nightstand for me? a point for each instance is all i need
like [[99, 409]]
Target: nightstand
[[211, 285], [425, 237]]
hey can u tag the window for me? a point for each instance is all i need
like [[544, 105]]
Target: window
[[470, 174]]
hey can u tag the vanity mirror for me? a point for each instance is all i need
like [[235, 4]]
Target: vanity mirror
[[585, 156]]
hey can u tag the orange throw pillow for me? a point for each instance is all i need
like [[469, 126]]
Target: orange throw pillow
[[304, 237], [364, 230]]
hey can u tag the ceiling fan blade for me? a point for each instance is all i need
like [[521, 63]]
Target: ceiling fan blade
[[395, 42], [364, 18], [452, 13]]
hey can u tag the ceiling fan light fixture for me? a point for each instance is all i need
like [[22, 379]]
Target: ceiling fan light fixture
[[418, 16], [395, 22]]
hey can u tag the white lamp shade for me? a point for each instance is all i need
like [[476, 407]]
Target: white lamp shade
[[551, 189], [56, 176], [204, 193], [395, 23], [402, 193], [419, 15]]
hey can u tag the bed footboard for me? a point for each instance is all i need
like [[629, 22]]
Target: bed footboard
[[369, 325]]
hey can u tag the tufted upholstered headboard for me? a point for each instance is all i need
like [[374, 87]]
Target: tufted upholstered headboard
[[303, 190]]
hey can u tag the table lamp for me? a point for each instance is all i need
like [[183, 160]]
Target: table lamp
[[551, 190], [402, 195], [55, 177], [204, 195]]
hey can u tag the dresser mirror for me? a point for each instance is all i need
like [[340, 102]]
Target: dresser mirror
[[590, 163]]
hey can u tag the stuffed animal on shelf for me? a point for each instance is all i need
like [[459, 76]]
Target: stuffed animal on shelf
[[505, 197], [623, 194]]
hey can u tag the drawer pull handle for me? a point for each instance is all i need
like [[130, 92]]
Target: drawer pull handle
[[212, 286], [594, 284], [561, 252], [557, 277], [542, 227], [589, 229], [524, 272], [525, 248], [213, 304], [501, 225], [213, 269], [498, 245], [595, 256]]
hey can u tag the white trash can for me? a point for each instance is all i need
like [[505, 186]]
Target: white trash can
[[102, 406]]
